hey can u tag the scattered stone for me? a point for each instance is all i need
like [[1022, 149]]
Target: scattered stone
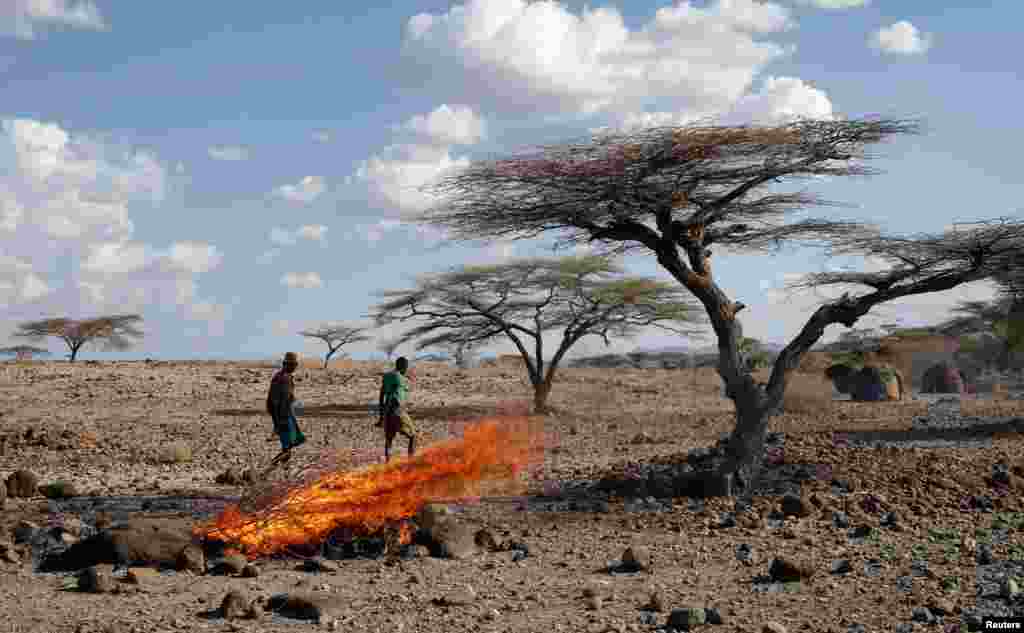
[[298, 606], [773, 627], [636, 558], [22, 483], [727, 520], [234, 605], [841, 566], [59, 490], [941, 606], [232, 564], [745, 554], [888, 520], [712, 616], [93, 580], [856, 628], [191, 558], [312, 565], [905, 584], [485, 540], [984, 555], [923, 615], [872, 567], [24, 531], [919, 569], [449, 538], [840, 520], [905, 627], [250, 571], [154, 541], [655, 602], [686, 618], [793, 505], [789, 570], [593, 603], [230, 477], [463, 596]]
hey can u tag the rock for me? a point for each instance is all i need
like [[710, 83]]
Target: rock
[[923, 615], [841, 566], [431, 514], [230, 477], [655, 602], [234, 605], [593, 603], [941, 606], [24, 531], [147, 541], [485, 540], [22, 483], [726, 520], [636, 558], [790, 570], [984, 555], [313, 565], [905, 627], [93, 580], [793, 505], [250, 571], [451, 539], [745, 554], [686, 618], [840, 520], [856, 628], [190, 558], [712, 616], [1010, 588], [773, 627], [299, 606]]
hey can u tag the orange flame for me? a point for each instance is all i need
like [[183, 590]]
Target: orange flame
[[368, 499]]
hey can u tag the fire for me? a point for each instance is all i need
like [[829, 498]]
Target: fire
[[370, 498]]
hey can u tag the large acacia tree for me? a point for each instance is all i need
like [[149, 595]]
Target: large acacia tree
[[677, 192], [116, 332], [523, 300], [336, 336]]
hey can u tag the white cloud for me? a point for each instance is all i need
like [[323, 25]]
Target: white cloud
[[284, 237], [21, 18], [531, 57], [307, 190], [302, 280], [228, 152], [836, 4], [778, 100], [64, 195], [393, 178], [448, 126], [901, 38]]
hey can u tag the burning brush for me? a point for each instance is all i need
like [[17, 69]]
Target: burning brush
[[381, 499]]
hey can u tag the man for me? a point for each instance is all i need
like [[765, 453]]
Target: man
[[280, 399], [394, 390]]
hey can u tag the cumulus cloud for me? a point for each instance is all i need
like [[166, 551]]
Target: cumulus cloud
[[393, 178], [527, 57], [69, 196], [902, 38], [307, 190], [228, 152], [448, 126], [836, 4], [302, 280], [778, 100], [312, 232], [22, 18]]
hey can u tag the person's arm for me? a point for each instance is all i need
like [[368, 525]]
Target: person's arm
[[380, 402]]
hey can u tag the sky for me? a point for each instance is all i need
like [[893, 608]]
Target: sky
[[238, 174]]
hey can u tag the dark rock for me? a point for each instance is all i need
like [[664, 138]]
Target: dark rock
[[793, 505], [744, 553], [840, 520], [636, 558], [686, 619], [841, 566], [984, 555], [93, 580], [856, 628], [485, 540], [234, 605], [727, 520], [144, 541], [923, 615], [298, 606], [888, 520], [712, 616], [191, 558], [789, 570], [905, 627], [250, 571], [22, 483]]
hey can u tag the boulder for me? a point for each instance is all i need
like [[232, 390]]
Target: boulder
[[22, 483], [145, 541], [942, 378]]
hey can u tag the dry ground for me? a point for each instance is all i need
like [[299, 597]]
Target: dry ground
[[108, 425]]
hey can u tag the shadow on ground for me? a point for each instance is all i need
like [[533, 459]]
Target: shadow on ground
[[974, 432]]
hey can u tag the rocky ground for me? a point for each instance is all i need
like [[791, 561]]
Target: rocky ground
[[874, 535]]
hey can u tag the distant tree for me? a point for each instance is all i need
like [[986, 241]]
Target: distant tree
[[116, 332], [522, 300], [675, 192], [336, 336], [16, 350]]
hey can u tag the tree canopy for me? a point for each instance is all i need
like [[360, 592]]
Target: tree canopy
[[112, 332], [336, 336], [524, 299], [676, 192]]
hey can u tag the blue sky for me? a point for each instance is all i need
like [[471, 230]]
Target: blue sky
[[238, 173]]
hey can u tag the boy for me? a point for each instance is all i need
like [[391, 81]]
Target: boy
[[280, 399], [394, 390]]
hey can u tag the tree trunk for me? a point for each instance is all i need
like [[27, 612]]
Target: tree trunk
[[744, 454], [541, 391], [74, 354]]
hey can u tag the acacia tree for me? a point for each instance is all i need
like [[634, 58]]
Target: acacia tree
[[15, 350], [116, 332], [675, 192], [336, 336], [1000, 319], [524, 299]]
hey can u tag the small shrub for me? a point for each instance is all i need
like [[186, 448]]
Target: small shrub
[[176, 453]]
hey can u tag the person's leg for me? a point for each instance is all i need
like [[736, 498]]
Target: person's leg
[[412, 442], [388, 438]]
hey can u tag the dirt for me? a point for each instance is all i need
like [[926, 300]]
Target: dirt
[[114, 429]]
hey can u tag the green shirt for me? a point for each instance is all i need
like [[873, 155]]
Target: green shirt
[[396, 386]]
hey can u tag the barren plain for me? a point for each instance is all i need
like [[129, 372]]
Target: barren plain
[[125, 429]]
